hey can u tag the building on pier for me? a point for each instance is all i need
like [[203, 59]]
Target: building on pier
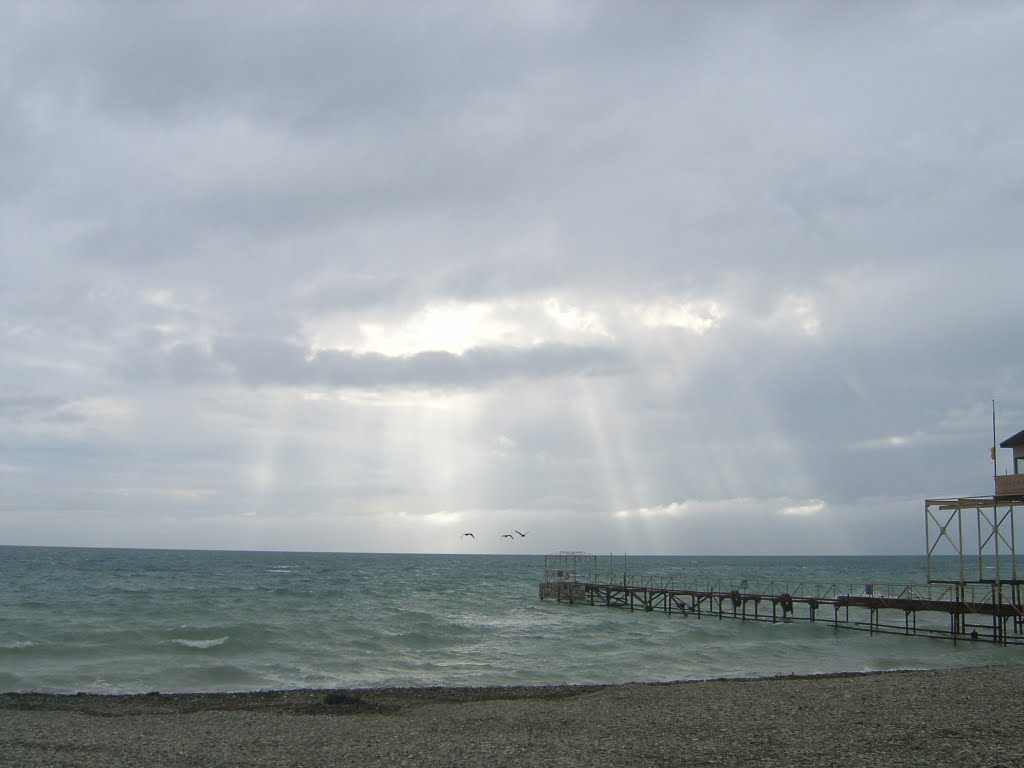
[[565, 574], [1012, 483]]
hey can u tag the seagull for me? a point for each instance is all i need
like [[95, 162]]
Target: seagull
[[522, 534], [507, 536], [468, 534]]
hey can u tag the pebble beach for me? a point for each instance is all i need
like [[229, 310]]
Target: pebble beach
[[966, 716]]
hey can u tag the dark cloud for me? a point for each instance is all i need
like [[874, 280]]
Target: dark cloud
[[218, 227], [27, 408], [261, 362]]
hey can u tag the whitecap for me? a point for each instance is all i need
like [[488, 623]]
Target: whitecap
[[17, 645], [201, 644]]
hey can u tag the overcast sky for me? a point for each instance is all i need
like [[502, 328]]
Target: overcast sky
[[672, 278]]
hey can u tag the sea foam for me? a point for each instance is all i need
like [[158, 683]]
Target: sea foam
[[200, 644]]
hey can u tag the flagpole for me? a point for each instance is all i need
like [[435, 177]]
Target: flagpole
[[995, 464]]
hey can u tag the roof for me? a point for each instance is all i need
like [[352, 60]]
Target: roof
[[1013, 442]]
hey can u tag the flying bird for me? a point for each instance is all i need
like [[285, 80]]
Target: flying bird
[[468, 534], [507, 536], [522, 534]]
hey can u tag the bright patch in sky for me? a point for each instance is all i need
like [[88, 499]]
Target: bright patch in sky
[[574, 319], [450, 327], [671, 509], [807, 509], [456, 327], [696, 317], [798, 311], [442, 518]]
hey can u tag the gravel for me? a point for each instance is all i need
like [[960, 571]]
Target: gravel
[[968, 716]]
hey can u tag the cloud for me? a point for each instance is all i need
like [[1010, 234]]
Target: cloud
[[15, 408], [175, 494], [672, 509], [268, 362], [443, 518], [813, 507], [668, 277], [698, 320]]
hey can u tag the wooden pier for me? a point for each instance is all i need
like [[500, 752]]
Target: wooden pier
[[971, 612]]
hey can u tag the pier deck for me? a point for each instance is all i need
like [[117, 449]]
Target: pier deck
[[976, 612]]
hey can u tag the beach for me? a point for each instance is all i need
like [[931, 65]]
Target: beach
[[965, 716]]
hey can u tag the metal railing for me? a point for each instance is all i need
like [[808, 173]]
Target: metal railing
[[975, 594]]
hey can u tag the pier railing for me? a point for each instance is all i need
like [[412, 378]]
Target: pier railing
[[974, 610], [971, 592]]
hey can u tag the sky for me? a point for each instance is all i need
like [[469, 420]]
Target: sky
[[659, 278]]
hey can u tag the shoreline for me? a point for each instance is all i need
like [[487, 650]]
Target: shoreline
[[965, 715], [315, 699]]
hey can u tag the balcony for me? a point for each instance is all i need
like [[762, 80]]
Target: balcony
[[1009, 485]]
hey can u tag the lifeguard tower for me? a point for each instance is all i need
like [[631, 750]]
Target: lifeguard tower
[[1012, 483], [989, 526]]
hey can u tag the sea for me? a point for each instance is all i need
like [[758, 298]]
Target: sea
[[134, 621]]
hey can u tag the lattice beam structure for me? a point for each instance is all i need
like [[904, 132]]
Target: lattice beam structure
[[989, 536], [569, 567]]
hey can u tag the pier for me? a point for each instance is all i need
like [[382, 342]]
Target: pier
[[984, 606], [960, 612]]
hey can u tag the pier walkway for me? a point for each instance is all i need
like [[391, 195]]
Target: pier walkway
[[975, 612]]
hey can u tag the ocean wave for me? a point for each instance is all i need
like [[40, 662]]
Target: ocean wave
[[200, 644], [16, 645]]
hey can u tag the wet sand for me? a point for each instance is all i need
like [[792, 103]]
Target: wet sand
[[958, 717]]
